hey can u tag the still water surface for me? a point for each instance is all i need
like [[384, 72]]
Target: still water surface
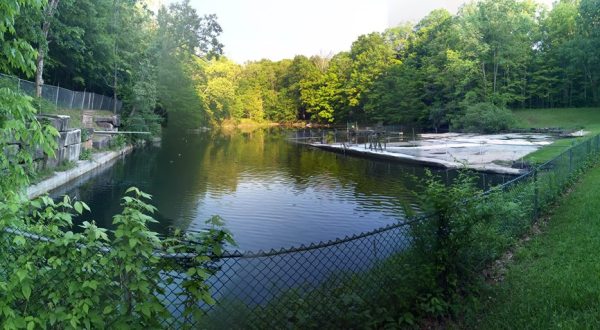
[[270, 192]]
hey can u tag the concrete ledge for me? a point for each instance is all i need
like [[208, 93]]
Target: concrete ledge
[[83, 166], [410, 159], [60, 122], [68, 138], [407, 159]]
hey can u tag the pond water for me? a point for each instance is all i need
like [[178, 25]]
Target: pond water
[[270, 192]]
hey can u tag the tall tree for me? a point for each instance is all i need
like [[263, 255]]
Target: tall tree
[[220, 93], [507, 33], [587, 44], [184, 36], [370, 56], [553, 77], [47, 16], [301, 70]]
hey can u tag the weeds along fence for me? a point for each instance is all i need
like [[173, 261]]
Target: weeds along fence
[[336, 284], [63, 98]]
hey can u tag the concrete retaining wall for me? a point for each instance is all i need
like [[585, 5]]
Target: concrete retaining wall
[[68, 143], [82, 167]]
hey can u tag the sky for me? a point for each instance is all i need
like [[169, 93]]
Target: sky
[[278, 29]]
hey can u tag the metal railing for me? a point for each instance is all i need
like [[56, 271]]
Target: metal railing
[[62, 97], [319, 281]]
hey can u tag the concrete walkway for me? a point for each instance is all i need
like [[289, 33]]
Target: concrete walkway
[[82, 167]]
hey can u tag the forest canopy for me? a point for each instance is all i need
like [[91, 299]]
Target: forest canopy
[[505, 53], [169, 64]]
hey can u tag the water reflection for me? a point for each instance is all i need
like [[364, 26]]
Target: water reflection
[[270, 192]]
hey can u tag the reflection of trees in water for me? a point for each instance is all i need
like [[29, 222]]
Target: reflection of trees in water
[[266, 155], [103, 188], [189, 167]]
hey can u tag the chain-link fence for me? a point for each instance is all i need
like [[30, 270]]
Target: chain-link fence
[[316, 283], [309, 286], [63, 98]]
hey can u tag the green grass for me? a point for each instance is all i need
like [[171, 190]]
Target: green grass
[[549, 152], [587, 119], [75, 114], [566, 118], [554, 281]]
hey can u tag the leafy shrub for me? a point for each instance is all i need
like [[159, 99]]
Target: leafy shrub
[[20, 129], [118, 142], [441, 242], [61, 279], [484, 118], [439, 275], [143, 122], [86, 154]]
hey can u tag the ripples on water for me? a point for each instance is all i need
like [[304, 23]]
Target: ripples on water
[[271, 193]]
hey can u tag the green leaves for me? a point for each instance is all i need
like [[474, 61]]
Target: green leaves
[[15, 54], [80, 206], [92, 280], [21, 128], [26, 290], [484, 118]]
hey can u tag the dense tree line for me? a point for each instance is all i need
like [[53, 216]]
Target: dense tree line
[[118, 48], [506, 53]]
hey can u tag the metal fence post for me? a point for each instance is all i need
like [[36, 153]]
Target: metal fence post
[[588, 144], [375, 248], [535, 192], [56, 99], [570, 160], [28, 88]]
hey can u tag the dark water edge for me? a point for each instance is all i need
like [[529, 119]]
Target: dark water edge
[[270, 192]]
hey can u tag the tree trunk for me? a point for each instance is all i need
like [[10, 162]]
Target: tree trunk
[[39, 81], [43, 46], [484, 80], [115, 78], [115, 88], [496, 65]]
